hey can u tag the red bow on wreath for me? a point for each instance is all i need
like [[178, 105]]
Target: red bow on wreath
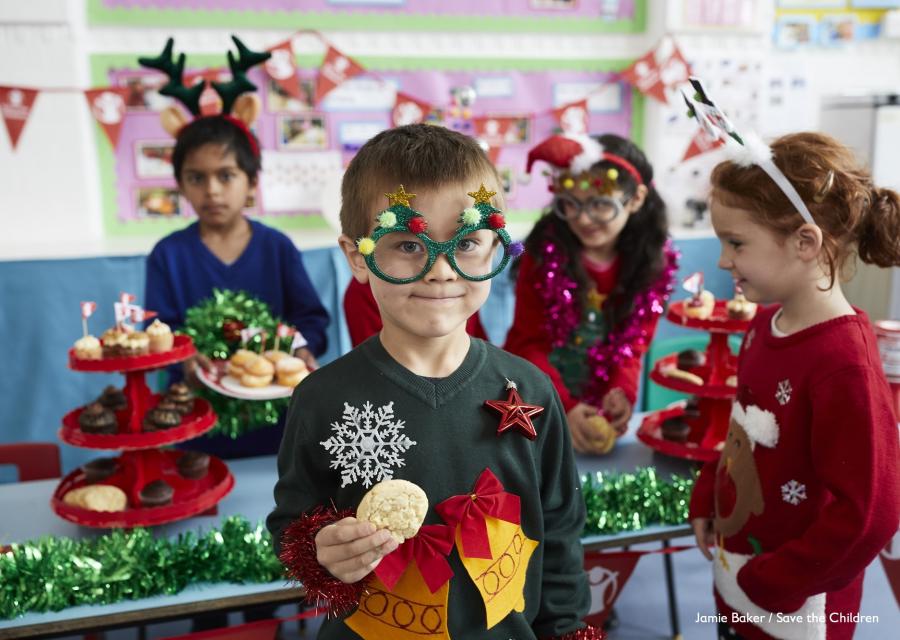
[[429, 548], [470, 511]]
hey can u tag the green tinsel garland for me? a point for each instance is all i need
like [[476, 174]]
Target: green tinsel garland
[[618, 502], [206, 324], [54, 573]]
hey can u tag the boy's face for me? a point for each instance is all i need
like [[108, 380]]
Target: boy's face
[[440, 303], [215, 185]]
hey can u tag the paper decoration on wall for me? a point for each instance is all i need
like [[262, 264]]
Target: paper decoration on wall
[[409, 110], [210, 100], [107, 105], [15, 104], [573, 118], [293, 182], [336, 69], [282, 68], [702, 142], [498, 131], [658, 70]]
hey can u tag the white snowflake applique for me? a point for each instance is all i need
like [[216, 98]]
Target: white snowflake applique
[[793, 492], [367, 444], [783, 394]]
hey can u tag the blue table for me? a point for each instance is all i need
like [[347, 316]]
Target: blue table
[[252, 498]]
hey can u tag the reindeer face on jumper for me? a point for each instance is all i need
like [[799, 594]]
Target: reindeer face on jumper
[[738, 487]]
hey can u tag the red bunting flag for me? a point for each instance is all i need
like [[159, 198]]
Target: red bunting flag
[[16, 104], [336, 69], [107, 105], [409, 110], [701, 143], [210, 100], [87, 309], [497, 131], [573, 117], [644, 75], [282, 68], [654, 72], [607, 575]]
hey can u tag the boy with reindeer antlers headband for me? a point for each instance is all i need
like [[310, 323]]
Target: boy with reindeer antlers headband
[[216, 164]]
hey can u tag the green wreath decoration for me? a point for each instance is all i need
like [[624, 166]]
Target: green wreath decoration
[[215, 324]]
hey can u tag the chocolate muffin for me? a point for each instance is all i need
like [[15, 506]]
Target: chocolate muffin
[[182, 397], [691, 359], [676, 430], [156, 493], [158, 419], [113, 399], [97, 419], [167, 405], [99, 469], [193, 464]]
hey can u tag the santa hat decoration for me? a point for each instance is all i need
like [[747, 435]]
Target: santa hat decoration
[[759, 425], [573, 157]]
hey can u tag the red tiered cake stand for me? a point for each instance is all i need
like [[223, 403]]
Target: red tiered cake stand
[[141, 462], [708, 430]]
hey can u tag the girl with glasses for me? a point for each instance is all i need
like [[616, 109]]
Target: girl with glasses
[[593, 281]]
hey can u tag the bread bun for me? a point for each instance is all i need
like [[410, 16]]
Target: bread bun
[[291, 379], [260, 367], [249, 380], [275, 356], [290, 365], [242, 357]]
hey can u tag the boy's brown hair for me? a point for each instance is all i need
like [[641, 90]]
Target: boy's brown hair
[[853, 214], [418, 156]]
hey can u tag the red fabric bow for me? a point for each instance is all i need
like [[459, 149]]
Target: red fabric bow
[[429, 548], [470, 511]]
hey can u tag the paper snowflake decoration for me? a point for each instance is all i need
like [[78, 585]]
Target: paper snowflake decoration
[[783, 394], [366, 444], [793, 492]]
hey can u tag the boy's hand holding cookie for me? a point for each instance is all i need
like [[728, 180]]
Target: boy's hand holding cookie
[[350, 549]]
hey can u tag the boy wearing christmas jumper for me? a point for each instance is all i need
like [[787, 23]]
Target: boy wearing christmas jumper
[[481, 431]]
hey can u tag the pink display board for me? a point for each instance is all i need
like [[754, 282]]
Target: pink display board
[[300, 142]]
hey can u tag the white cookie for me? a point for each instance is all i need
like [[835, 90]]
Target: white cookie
[[396, 505], [97, 497]]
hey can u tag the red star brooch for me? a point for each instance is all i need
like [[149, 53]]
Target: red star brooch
[[515, 414]]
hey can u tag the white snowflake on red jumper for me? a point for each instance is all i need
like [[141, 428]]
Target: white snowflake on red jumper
[[793, 492], [749, 339], [783, 394], [367, 444]]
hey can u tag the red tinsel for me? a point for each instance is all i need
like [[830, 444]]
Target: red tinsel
[[496, 221], [417, 224], [298, 555], [588, 633]]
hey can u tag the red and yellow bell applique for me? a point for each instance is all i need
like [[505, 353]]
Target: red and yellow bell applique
[[407, 599], [491, 544], [515, 414]]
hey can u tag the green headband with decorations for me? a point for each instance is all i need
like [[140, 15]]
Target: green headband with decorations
[[401, 217]]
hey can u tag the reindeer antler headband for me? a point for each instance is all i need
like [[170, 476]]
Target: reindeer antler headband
[[229, 91]]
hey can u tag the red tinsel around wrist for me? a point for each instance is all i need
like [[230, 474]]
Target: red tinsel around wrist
[[588, 633], [298, 555]]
